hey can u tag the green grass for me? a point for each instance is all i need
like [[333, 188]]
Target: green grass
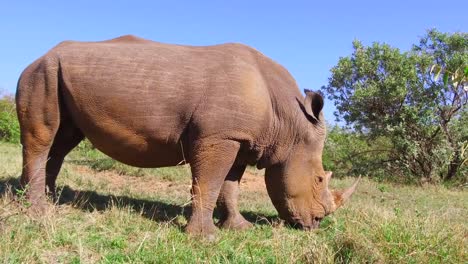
[[120, 214]]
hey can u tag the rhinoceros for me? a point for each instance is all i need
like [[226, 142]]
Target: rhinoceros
[[147, 104]]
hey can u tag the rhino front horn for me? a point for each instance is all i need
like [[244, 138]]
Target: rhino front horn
[[342, 196]]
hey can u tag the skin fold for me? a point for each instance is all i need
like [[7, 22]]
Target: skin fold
[[148, 104]]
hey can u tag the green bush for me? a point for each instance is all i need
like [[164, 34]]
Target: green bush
[[381, 92], [348, 153], [9, 126]]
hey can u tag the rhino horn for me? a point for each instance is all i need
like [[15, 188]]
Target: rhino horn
[[341, 196]]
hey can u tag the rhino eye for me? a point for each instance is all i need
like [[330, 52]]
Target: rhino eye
[[320, 179]]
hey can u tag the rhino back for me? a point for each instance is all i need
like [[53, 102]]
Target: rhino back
[[144, 95]]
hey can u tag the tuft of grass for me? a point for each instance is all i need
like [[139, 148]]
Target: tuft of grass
[[104, 216]]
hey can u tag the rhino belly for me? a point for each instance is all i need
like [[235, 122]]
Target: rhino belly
[[142, 131], [138, 152]]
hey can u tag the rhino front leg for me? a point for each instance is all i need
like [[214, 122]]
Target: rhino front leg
[[228, 201], [210, 163]]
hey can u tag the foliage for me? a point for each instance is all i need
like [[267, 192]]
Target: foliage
[[459, 76], [381, 92], [352, 154], [9, 126]]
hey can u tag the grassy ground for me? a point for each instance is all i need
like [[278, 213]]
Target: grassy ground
[[112, 213]]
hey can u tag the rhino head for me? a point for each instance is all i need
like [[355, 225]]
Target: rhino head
[[298, 185]]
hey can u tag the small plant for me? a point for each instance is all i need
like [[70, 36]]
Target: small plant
[[382, 188], [21, 196]]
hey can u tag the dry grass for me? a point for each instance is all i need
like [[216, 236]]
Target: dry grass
[[110, 217]]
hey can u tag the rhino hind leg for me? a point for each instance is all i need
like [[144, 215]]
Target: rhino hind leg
[[33, 174], [230, 217], [210, 163], [38, 111], [68, 137]]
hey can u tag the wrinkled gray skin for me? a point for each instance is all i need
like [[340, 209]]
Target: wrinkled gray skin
[[149, 104]]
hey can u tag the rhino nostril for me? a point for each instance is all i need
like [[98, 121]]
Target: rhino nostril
[[316, 222]]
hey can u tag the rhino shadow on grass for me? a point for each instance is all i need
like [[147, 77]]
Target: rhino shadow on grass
[[155, 210], [8, 184]]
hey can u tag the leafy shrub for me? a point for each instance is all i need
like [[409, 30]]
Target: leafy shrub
[[348, 153], [383, 93], [9, 126]]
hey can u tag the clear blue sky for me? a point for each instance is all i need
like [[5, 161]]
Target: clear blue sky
[[307, 37]]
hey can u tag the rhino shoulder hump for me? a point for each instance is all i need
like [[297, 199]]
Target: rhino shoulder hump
[[128, 39]]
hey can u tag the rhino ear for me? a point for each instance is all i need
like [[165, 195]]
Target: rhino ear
[[313, 104]]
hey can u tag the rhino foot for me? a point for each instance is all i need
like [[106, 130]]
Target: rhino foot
[[237, 222], [37, 208], [204, 229]]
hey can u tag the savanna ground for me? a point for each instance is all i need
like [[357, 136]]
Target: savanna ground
[[112, 213]]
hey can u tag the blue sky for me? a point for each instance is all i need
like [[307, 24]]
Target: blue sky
[[307, 37]]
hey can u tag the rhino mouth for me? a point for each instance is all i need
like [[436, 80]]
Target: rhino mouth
[[300, 225]]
